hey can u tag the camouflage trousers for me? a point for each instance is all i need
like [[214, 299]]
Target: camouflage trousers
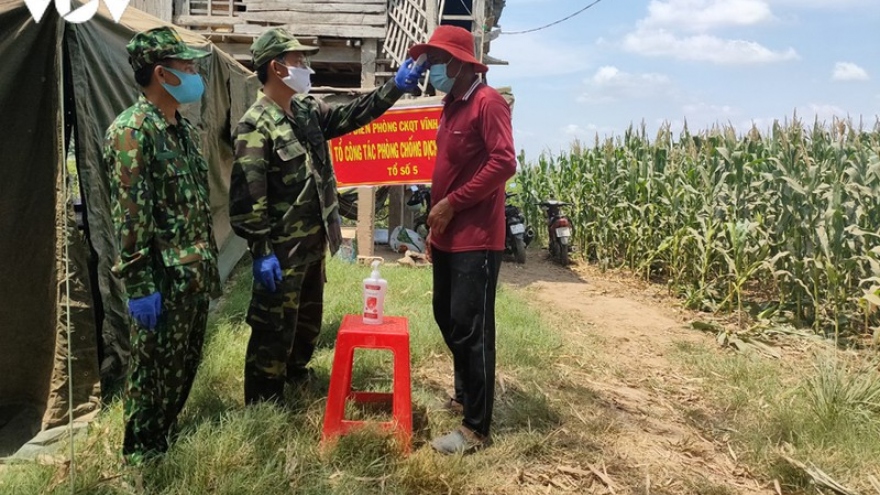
[[163, 365], [284, 328]]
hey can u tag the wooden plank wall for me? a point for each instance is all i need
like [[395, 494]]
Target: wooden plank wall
[[336, 18], [157, 8], [215, 8], [330, 18]]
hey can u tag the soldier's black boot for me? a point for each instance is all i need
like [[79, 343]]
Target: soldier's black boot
[[262, 389]]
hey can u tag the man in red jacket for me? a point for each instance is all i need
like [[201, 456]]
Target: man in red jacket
[[475, 157]]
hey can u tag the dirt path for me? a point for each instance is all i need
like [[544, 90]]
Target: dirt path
[[624, 331], [632, 403]]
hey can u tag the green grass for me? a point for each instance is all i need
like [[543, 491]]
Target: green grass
[[827, 414], [226, 448]]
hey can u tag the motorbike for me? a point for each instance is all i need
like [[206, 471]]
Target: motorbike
[[420, 201], [516, 234], [559, 231]]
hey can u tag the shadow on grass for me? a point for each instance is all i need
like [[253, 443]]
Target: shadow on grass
[[207, 408], [232, 308], [329, 331], [526, 411]]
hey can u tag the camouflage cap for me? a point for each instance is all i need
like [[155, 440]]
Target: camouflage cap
[[148, 47], [274, 42]]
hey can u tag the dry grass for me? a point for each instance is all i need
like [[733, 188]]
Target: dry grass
[[573, 415], [821, 410]]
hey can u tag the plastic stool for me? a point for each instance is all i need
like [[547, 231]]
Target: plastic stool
[[393, 335]]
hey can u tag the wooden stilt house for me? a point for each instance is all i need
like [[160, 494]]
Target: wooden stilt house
[[362, 41]]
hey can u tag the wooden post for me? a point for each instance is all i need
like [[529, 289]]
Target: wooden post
[[369, 47], [408, 215], [479, 13], [433, 17], [366, 222], [395, 208]]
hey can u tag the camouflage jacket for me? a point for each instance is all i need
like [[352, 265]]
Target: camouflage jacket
[[282, 196], [160, 205]]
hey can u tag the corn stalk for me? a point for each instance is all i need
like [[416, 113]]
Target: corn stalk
[[786, 220]]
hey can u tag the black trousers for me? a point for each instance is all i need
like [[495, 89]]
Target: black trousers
[[464, 308]]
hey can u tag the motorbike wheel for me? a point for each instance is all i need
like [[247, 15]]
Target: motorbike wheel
[[519, 250], [562, 251]]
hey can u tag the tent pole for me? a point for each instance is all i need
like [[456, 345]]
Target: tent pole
[[65, 176]]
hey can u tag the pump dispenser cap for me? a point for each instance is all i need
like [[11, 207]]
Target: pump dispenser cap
[[375, 274]]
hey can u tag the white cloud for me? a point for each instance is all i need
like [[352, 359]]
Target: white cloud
[[702, 48], [705, 15], [612, 76], [823, 4], [709, 112], [686, 30], [824, 112], [590, 130], [521, 133], [848, 71], [574, 130], [763, 124], [610, 84], [535, 55]]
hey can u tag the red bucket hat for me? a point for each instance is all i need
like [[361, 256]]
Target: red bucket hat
[[456, 41]]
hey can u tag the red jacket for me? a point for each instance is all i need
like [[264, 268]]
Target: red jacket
[[475, 157]]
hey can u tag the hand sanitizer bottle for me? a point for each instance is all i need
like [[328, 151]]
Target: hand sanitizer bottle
[[374, 296]]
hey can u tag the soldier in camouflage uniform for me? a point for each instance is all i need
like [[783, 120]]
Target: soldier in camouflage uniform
[[283, 201], [167, 253]]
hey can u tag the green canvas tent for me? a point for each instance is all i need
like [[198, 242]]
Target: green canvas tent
[[63, 83]]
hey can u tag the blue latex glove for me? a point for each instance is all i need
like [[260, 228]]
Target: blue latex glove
[[146, 310], [267, 270], [407, 78]]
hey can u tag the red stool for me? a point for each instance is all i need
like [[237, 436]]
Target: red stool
[[393, 335]]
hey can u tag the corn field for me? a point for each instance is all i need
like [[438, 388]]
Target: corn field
[[783, 225]]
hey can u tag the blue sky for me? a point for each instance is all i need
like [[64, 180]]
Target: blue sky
[[706, 61]]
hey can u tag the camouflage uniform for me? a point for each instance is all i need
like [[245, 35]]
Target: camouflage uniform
[[161, 212], [283, 199]]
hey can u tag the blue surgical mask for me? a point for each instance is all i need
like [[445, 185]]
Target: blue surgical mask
[[439, 79], [190, 88]]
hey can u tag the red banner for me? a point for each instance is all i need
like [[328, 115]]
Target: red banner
[[397, 148]]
